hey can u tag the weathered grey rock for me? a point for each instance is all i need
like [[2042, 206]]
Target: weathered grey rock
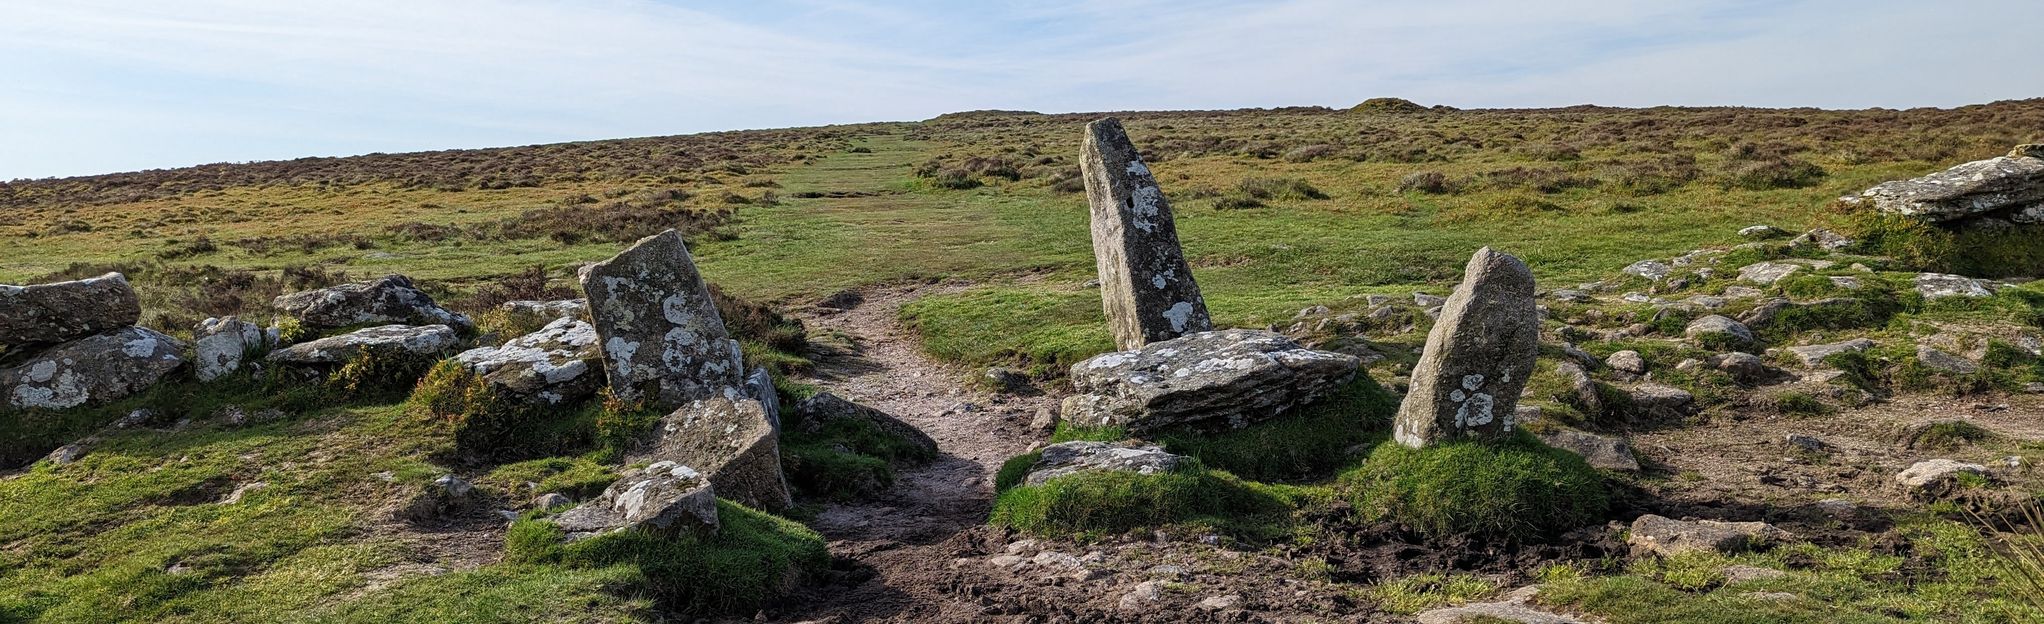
[[1477, 357], [220, 344], [1845, 281], [1007, 379], [663, 340], [388, 299], [1806, 442], [1145, 285], [1572, 296], [1654, 270], [559, 309], [1812, 355], [550, 500], [1743, 292], [560, 363], [1656, 535], [1822, 239], [1936, 478], [1492, 613], [1743, 367], [60, 311], [1661, 402], [1767, 273], [760, 385], [1583, 392], [817, 412], [1736, 574], [1426, 301], [1942, 285], [92, 370], [445, 496], [1628, 361], [1944, 362], [1979, 188], [1229, 377], [385, 341], [729, 439], [1720, 331], [1607, 452], [1762, 232], [664, 497], [1069, 458]]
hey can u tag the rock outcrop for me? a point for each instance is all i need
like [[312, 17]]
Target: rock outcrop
[[385, 341], [730, 441], [2009, 187], [1145, 285], [662, 338], [388, 299], [1229, 377], [92, 370], [1812, 355], [1477, 356], [60, 311], [1937, 478], [558, 364], [557, 309], [1070, 458], [664, 497], [1657, 535], [824, 408], [1607, 452], [219, 345]]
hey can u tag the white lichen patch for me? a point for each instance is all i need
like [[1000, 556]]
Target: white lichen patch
[[1179, 314]]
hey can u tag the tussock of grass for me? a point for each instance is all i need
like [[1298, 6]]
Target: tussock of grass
[[489, 425], [1518, 489], [753, 559], [844, 458], [1107, 503], [1420, 592], [1311, 441]]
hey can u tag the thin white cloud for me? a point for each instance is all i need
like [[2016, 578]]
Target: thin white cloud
[[100, 85]]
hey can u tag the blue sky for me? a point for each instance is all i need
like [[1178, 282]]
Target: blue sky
[[95, 86]]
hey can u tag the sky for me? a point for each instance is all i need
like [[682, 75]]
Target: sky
[[100, 86]]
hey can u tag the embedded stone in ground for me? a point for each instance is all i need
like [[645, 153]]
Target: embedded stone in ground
[[220, 344], [1607, 452], [664, 497], [1937, 478], [1477, 356], [824, 408], [1812, 355], [1146, 287], [387, 299], [385, 341], [1070, 458], [1719, 331], [60, 311], [1942, 285], [92, 370], [557, 364], [557, 309], [662, 338], [729, 439], [1218, 378], [1657, 535]]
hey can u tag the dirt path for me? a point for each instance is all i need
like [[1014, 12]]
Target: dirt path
[[903, 540]]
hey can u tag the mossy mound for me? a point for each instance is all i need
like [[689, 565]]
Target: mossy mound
[[1979, 252], [1313, 441], [753, 559], [1109, 503], [844, 458], [1518, 489]]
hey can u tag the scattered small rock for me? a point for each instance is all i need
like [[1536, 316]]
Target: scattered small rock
[[1657, 535]]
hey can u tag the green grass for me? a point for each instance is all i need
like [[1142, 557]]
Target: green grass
[[1518, 489], [754, 558], [1421, 592], [1309, 443], [845, 458], [1099, 504], [1946, 573]]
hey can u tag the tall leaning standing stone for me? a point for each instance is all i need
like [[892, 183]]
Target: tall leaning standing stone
[[1145, 285], [1477, 357], [662, 338]]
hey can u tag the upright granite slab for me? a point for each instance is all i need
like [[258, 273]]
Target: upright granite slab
[[1477, 357], [60, 311], [1145, 285], [662, 338]]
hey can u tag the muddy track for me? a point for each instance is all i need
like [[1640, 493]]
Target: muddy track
[[893, 547]]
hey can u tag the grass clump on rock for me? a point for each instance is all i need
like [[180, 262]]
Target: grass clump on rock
[[1107, 503], [753, 558], [1517, 489]]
